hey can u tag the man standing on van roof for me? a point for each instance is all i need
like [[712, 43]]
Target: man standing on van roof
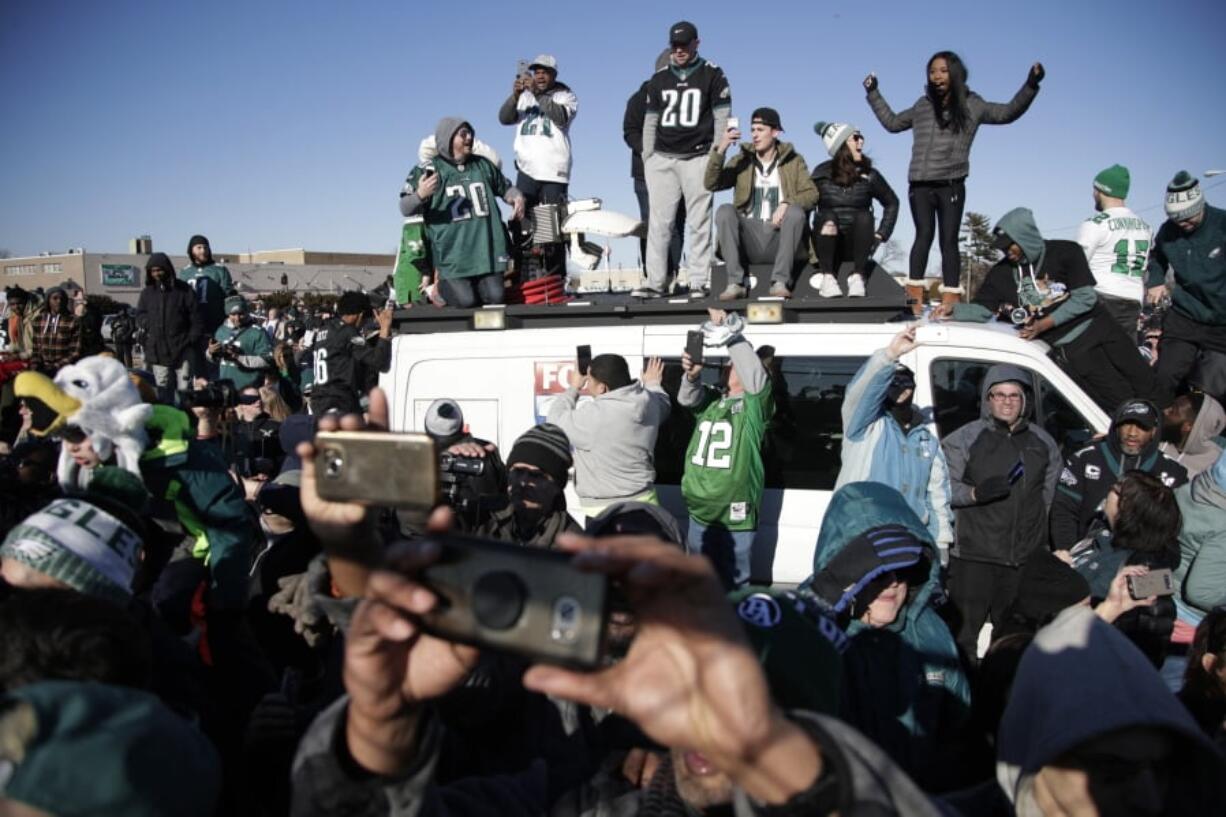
[[614, 435], [212, 284], [1002, 476], [724, 473], [541, 108], [1116, 244], [886, 439], [1192, 242], [773, 194], [688, 103], [455, 192]]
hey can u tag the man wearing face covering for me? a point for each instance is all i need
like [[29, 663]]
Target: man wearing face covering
[[886, 439], [537, 471]]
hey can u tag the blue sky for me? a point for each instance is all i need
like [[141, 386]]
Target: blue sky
[[268, 125]]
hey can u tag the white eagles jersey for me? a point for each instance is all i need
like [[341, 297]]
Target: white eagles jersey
[[1116, 244], [542, 146]]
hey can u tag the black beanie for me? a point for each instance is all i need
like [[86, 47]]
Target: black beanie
[[612, 370], [199, 239], [547, 447]]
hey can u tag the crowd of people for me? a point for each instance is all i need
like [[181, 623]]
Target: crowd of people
[[993, 624]]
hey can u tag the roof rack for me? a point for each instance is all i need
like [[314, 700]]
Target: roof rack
[[885, 301]]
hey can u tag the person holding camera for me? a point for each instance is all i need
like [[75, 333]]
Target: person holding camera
[[472, 473], [338, 350], [241, 348], [1002, 477], [169, 317], [614, 435], [1046, 289]]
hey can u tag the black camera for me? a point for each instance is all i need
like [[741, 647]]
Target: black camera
[[230, 349], [219, 395], [458, 481], [528, 601]]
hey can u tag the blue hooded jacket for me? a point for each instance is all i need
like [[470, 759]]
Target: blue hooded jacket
[[903, 684]]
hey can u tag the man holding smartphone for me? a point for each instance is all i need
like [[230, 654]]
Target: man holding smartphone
[[724, 473], [771, 199], [614, 434]]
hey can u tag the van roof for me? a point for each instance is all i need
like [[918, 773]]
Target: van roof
[[619, 310]]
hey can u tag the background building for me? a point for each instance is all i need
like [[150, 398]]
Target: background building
[[122, 275]]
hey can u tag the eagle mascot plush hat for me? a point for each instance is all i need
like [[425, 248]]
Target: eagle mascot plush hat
[[95, 395]]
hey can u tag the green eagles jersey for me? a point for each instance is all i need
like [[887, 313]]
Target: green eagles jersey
[[724, 474], [252, 342], [463, 223], [212, 285]]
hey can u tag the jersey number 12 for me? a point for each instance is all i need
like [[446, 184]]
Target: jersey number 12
[[714, 444]]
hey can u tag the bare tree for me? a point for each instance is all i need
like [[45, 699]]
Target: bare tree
[[889, 253], [978, 254]]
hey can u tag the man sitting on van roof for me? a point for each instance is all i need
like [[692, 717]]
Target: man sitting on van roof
[[614, 435]]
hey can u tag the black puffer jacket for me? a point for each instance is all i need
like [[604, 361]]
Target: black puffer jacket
[[169, 315], [845, 201], [1002, 531]]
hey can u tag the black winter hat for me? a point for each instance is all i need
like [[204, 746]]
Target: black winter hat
[[352, 303], [199, 239], [160, 259], [547, 447]]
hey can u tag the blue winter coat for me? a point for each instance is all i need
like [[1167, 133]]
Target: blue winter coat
[[903, 684], [875, 448]]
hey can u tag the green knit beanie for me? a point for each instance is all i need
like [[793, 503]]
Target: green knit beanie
[[1113, 182]]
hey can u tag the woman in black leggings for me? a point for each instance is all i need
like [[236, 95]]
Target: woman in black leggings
[[944, 121]]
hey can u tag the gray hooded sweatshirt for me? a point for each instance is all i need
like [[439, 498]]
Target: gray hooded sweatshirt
[[1200, 451], [614, 437]]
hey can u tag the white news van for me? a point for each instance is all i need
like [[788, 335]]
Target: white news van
[[504, 378]]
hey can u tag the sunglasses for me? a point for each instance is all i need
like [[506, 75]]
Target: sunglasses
[[858, 137]]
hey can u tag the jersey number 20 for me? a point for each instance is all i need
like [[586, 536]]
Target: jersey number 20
[[681, 109], [714, 444]]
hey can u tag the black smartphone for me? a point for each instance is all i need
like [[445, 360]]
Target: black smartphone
[[583, 356], [693, 346], [522, 600]]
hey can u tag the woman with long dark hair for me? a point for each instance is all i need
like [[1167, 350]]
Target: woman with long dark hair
[[944, 121], [843, 228]]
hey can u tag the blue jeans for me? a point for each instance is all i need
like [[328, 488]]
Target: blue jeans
[[728, 550]]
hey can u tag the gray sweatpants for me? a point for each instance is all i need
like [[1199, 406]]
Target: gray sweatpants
[[754, 241], [670, 179]]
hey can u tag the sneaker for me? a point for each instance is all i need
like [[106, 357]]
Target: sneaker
[[645, 292], [855, 285], [780, 290], [699, 292], [829, 287], [732, 292]]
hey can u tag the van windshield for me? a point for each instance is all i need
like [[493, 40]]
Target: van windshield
[[805, 438]]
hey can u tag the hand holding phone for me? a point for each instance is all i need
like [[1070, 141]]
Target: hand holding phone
[[377, 468]]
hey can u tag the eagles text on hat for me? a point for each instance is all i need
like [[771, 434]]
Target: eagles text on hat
[[1140, 412], [682, 33]]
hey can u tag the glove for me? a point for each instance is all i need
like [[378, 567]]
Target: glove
[[870, 83], [1037, 72], [992, 489]]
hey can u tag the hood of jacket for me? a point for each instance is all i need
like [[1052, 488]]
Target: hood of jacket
[[862, 506], [208, 251], [1081, 678], [160, 259], [1209, 422], [65, 307], [443, 133], [1019, 225], [1003, 373], [655, 516], [1209, 486]]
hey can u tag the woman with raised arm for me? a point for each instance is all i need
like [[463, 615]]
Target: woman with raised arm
[[944, 121]]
